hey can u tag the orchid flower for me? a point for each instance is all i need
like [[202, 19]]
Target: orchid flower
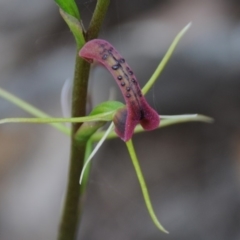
[[137, 109], [125, 117]]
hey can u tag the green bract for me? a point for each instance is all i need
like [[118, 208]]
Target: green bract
[[70, 7], [75, 27]]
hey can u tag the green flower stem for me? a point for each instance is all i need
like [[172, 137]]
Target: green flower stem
[[71, 211], [97, 19], [73, 206], [31, 109], [141, 180], [69, 220], [165, 60]]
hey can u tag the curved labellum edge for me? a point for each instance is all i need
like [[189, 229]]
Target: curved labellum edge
[[137, 109]]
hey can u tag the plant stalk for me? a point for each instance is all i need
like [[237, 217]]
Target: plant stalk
[[70, 214], [69, 220]]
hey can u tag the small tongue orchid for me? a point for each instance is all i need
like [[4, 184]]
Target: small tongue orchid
[[125, 117], [137, 109]]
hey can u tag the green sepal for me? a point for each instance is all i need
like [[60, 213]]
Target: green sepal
[[143, 186], [75, 26], [69, 7]]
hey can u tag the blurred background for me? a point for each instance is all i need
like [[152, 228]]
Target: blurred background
[[192, 170]]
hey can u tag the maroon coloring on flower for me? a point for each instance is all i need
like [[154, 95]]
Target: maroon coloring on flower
[[137, 109]]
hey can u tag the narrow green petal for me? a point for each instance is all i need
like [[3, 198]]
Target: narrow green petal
[[143, 185], [164, 123], [88, 151], [31, 109], [95, 150], [98, 117], [165, 59]]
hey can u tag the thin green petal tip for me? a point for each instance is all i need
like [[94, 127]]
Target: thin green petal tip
[[187, 27], [159, 226], [205, 118], [143, 186]]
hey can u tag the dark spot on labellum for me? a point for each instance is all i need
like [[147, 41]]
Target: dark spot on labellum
[[122, 60], [104, 57], [134, 80], [102, 45], [119, 77], [128, 89], [130, 72], [122, 83], [128, 95], [115, 67], [110, 50]]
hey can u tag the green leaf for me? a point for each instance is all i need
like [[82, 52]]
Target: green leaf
[[76, 28], [69, 7]]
